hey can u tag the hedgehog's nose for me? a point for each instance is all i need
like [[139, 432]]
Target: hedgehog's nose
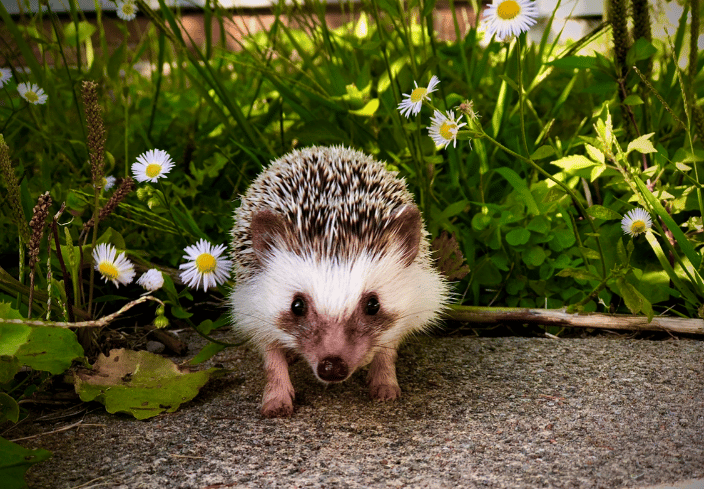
[[332, 369]]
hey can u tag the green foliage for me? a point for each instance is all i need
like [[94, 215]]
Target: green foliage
[[139, 383], [14, 462]]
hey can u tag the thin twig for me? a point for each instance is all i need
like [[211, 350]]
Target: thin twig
[[65, 428], [84, 324]]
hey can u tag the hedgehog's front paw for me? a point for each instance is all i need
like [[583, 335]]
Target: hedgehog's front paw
[[384, 392], [383, 385], [277, 402]]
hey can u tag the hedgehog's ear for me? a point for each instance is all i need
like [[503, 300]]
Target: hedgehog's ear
[[405, 226], [268, 230]]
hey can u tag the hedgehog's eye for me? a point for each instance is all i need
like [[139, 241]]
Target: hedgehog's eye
[[372, 306], [298, 306]]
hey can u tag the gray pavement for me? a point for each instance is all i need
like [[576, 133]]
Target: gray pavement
[[475, 412]]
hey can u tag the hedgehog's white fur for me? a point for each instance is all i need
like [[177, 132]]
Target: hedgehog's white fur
[[339, 204], [413, 293]]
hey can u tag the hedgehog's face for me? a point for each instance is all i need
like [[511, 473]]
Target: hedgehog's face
[[337, 312], [336, 344]]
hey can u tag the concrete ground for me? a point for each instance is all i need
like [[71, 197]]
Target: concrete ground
[[475, 412]]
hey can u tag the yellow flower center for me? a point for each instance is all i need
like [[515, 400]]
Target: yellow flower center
[[638, 227], [447, 130], [30, 96], [508, 10], [153, 170], [418, 94], [109, 270], [206, 263], [128, 9]]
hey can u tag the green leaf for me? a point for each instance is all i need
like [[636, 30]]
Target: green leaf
[[601, 212], [555, 193], [635, 301], [50, 349], [573, 164], [139, 383], [621, 252], [565, 238], [631, 297], [595, 154], [498, 113], [85, 31], [510, 82], [114, 238], [480, 221], [534, 256], [518, 236], [590, 253], [368, 110], [14, 462], [208, 325], [641, 49], [633, 99], [577, 273], [180, 313], [454, 209], [543, 152], [9, 409], [539, 224], [520, 186], [642, 145], [514, 286], [206, 353]]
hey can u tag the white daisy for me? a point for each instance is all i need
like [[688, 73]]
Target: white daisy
[[112, 266], [126, 9], [444, 128], [205, 265], [152, 165], [109, 182], [507, 18], [636, 221], [32, 93], [5, 76], [151, 280], [413, 102]]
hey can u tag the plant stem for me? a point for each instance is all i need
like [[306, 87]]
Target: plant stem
[[520, 95], [171, 212], [96, 220]]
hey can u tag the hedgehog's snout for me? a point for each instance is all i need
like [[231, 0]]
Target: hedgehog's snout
[[333, 369]]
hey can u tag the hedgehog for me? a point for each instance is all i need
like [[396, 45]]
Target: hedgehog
[[332, 264]]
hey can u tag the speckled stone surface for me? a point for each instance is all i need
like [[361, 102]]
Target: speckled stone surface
[[475, 412]]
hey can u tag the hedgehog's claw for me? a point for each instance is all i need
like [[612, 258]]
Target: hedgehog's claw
[[278, 396]]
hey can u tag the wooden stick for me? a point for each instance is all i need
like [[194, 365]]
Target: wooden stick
[[558, 317], [83, 324]]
